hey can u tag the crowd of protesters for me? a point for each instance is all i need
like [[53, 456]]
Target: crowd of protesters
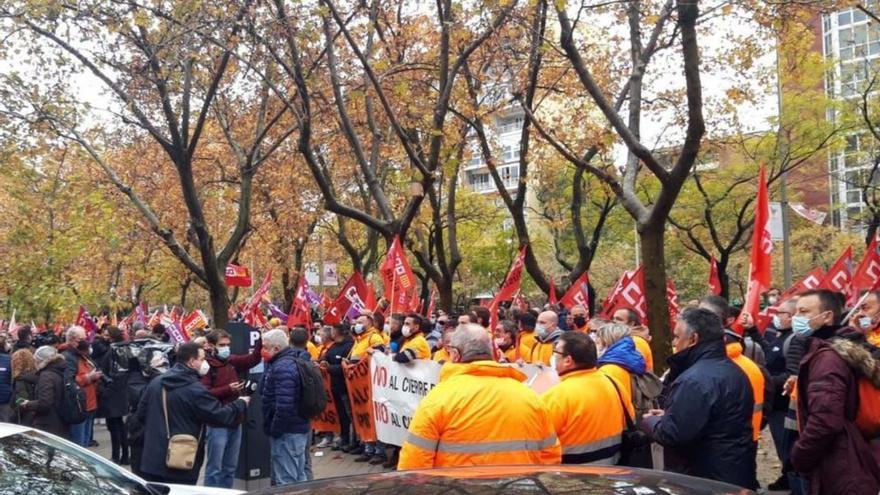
[[811, 378]]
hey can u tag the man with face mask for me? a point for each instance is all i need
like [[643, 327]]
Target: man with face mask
[[414, 344], [547, 332], [705, 425], [867, 318], [505, 341], [829, 450], [480, 413], [366, 338], [176, 403], [441, 355], [86, 372], [222, 443], [579, 320], [586, 407]]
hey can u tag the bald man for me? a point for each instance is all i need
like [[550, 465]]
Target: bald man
[[579, 318], [547, 332]]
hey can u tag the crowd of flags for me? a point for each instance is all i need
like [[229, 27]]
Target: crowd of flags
[[402, 293]]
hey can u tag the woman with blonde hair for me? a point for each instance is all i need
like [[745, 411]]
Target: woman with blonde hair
[[619, 358], [24, 384]]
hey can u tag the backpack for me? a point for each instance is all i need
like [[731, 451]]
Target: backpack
[[646, 389], [313, 399], [73, 401]]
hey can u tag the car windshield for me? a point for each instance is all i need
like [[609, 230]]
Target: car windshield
[[37, 464]]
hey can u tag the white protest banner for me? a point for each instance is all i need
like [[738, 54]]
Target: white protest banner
[[397, 391], [399, 388]]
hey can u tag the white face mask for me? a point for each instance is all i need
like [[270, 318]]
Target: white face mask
[[205, 368], [406, 331], [387, 328], [318, 339]]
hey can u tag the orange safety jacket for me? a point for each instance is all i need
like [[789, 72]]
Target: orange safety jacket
[[588, 417], [441, 355], [370, 338], [418, 347], [644, 349], [868, 415], [480, 414], [527, 341], [756, 380], [624, 381]]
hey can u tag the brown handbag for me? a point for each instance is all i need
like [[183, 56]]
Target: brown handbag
[[182, 447]]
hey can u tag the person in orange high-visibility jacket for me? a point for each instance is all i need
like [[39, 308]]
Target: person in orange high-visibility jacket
[[365, 338], [547, 332], [639, 332], [505, 340], [441, 355], [479, 414], [526, 338], [415, 346], [734, 348], [585, 407]]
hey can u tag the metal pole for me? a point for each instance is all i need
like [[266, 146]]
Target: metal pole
[[782, 146]]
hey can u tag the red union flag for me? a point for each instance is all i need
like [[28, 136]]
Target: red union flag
[[83, 319], [513, 280], [762, 246], [868, 271], [300, 310], [194, 321], [672, 301], [631, 295], [811, 281], [431, 303], [398, 277], [237, 276], [552, 296], [578, 294], [251, 312], [621, 282], [839, 277], [353, 293], [714, 278]]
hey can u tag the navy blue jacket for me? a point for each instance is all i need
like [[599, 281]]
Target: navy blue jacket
[[282, 392], [190, 408], [707, 426], [334, 357], [5, 378]]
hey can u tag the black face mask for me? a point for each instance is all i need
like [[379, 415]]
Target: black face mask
[[579, 321]]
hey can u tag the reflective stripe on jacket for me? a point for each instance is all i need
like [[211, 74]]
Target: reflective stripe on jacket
[[418, 346], [588, 417], [756, 380], [479, 414]]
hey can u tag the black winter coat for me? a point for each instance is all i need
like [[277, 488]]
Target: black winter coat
[[190, 408], [707, 426], [50, 388], [282, 393], [334, 356], [25, 388]]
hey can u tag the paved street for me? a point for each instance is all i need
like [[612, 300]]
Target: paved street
[[326, 463]]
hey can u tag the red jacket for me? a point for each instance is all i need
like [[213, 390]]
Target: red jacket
[[830, 449], [224, 373]]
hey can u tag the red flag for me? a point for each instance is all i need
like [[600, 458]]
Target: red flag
[[714, 278], [83, 319], [811, 281], [630, 295], [839, 277], [431, 303], [672, 301], [353, 293], [621, 282], [237, 276], [578, 293], [370, 300], [520, 302], [398, 277], [762, 246], [514, 278], [552, 297], [869, 269], [300, 310], [253, 316], [193, 321], [325, 300]]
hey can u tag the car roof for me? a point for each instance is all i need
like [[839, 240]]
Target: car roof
[[7, 429]]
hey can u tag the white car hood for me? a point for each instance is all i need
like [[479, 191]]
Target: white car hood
[[200, 490]]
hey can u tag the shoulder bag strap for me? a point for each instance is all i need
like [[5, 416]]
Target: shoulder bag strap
[[165, 413], [629, 421]]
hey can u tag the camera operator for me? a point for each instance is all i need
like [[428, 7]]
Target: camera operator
[[222, 380]]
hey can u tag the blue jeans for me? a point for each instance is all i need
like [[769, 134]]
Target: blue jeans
[[289, 458], [221, 456], [81, 433], [310, 475]]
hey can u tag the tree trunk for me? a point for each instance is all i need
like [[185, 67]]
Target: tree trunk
[[219, 305], [871, 231], [444, 295], [652, 248], [722, 262]]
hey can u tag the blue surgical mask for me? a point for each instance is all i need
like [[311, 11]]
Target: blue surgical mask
[[801, 325], [777, 322], [540, 331], [359, 328], [866, 322], [223, 352]]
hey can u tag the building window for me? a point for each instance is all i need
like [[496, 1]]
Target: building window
[[510, 152], [510, 124]]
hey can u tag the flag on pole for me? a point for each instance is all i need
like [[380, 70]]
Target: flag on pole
[[398, 277], [370, 301], [513, 280], [868, 270], [237, 276], [431, 303], [252, 314], [811, 281], [714, 278], [630, 295], [578, 294], [300, 310], [762, 246], [351, 296], [839, 277], [84, 319], [552, 297]]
